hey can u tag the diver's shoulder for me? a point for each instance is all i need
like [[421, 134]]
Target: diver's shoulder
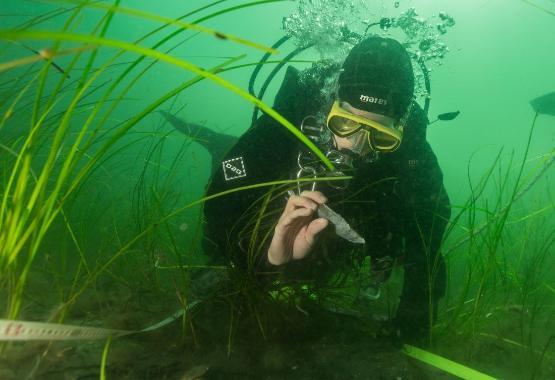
[[417, 123]]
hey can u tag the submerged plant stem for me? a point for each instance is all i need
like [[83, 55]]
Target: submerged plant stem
[[170, 21], [538, 7], [47, 35], [105, 358]]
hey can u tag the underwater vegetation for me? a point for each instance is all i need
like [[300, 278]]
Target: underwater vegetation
[[77, 249]]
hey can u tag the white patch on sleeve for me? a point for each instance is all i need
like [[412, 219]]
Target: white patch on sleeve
[[234, 168]]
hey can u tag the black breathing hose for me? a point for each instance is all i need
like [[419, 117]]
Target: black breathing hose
[[271, 76], [262, 62], [384, 22], [426, 84]]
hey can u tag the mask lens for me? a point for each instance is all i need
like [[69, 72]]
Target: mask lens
[[382, 141], [343, 126]]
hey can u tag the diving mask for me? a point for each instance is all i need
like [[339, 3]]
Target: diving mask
[[380, 137]]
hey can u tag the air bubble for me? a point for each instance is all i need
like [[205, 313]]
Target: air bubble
[[331, 26]]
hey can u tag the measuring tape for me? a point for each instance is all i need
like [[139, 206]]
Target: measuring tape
[[12, 330], [24, 330]]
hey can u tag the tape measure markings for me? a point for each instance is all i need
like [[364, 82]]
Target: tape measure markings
[[14, 330]]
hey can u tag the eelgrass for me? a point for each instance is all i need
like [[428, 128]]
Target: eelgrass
[[170, 21], [70, 160], [31, 202], [24, 227], [103, 362], [539, 7], [16, 227], [74, 37], [501, 264], [93, 40]]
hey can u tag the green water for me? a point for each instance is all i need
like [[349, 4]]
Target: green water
[[104, 249]]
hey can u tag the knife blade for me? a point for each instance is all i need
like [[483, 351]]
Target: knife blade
[[342, 228]]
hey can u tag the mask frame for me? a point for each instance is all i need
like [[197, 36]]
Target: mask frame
[[380, 138]]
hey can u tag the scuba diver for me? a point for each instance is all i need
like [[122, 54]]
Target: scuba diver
[[389, 190]]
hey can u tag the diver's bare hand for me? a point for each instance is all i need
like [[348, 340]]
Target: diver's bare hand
[[297, 231]]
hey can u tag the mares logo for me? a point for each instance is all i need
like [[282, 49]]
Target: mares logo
[[234, 168], [371, 99]]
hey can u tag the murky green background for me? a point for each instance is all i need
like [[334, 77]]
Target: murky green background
[[501, 55]]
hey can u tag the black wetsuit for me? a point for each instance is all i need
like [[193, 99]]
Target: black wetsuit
[[397, 203]]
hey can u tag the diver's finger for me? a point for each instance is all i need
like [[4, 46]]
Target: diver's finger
[[314, 229], [297, 201], [291, 218], [316, 196]]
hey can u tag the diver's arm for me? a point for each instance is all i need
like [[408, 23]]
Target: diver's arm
[[297, 231], [238, 223], [269, 153]]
